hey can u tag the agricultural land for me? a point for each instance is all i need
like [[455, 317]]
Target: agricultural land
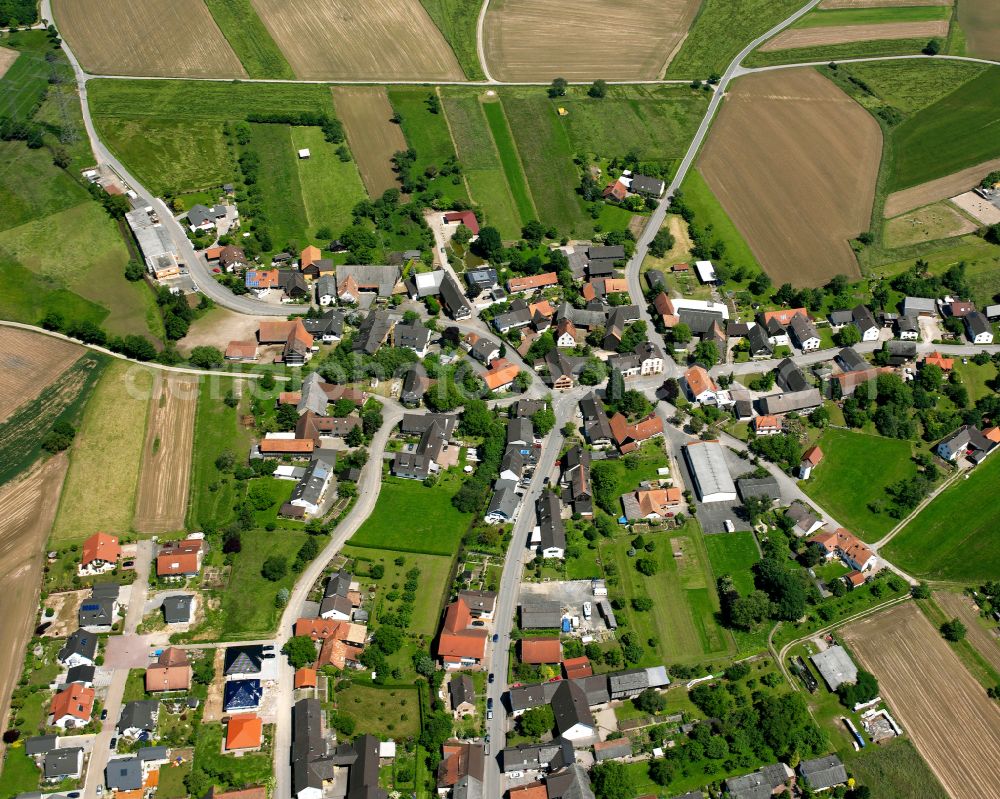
[[249, 39], [951, 720], [795, 131], [29, 363], [980, 21], [373, 137]]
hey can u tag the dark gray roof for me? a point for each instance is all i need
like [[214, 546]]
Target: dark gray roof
[[629, 680], [124, 774], [823, 772], [453, 299], [758, 341], [414, 423], [520, 431], [40, 744], [148, 753], [850, 360], [613, 251], [527, 407], [550, 523], [758, 487], [525, 697], [571, 782], [335, 594], [97, 612], [789, 377], [530, 756], [905, 349], [907, 324], [802, 328], [241, 695], [803, 516], [643, 184], [790, 401], [595, 688], [537, 614], [760, 784], [243, 659], [332, 322], [484, 349], [177, 609], [84, 674], [569, 706], [362, 776], [977, 324], [838, 318], [382, 278], [461, 690], [138, 715], [656, 279], [79, 643], [863, 318], [62, 762], [372, 332], [309, 750], [699, 321], [481, 278], [504, 500]]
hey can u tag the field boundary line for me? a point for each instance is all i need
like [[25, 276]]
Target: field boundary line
[[926, 501], [480, 47]]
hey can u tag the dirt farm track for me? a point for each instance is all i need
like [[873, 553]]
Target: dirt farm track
[[954, 724], [28, 363], [817, 151], [166, 456]]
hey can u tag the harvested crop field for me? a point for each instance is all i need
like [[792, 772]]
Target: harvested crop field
[[105, 457], [954, 725], [793, 161], [937, 221], [980, 21], [882, 3], [939, 189], [372, 136], [28, 363], [584, 39], [27, 507], [166, 459], [985, 641], [179, 39], [848, 34], [7, 57], [377, 40]]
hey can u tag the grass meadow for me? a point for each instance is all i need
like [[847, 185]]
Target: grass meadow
[[872, 48], [894, 770], [381, 710], [734, 554], [432, 524], [330, 187], [856, 469], [912, 85], [31, 188], [250, 40], [708, 211], [281, 192], [547, 157], [872, 16], [99, 492], [512, 167], [957, 536], [27, 79], [456, 19]]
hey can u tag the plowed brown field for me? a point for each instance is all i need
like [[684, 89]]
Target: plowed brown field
[[28, 363], [584, 39], [845, 34], [882, 3], [375, 39], [985, 641], [933, 190], [166, 459], [365, 112], [130, 37], [980, 21], [7, 57], [954, 724], [793, 161], [27, 508]]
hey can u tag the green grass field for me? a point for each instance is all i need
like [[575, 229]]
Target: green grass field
[[872, 16], [20, 774], [894, 770], [488, 183], [956, 536], [958, 131], [282, 191], [330, 187], [228, 772], [976, 378], [547, 157], [30, 187], [217, 430], [912, 85], [99, 492], [27, 297], [657, 123], [683, 594], [721, 30], [456, 19], [855, 471], [250, 40], [24, 84], [734, 554], [433, 525], [872, 48], [512, 167], [392, 711], [708, 211]]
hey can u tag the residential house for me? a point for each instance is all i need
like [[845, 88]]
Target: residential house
[[244, 732], [514, 319], [63, 764], [261, 280], [783, 316], [630, 437], [574, 721], [938, 360], [804, 333], [504, 503], [416, 383], [233, 258], [419, 461], [72, 707], [900, 352], [848, 547], [777, 333], [978, 328], [462, 694], [665, 310], [863, 320], [761, 784], [789, 377], [647, 186], [80, 649], [172, 672], [373, 332], [804, 519], [699, 386], [99, 611], [481, 348], [243, 662], [355, 279], [652, 503], [966, 440], [517, 285], [481, 279], [453, 300], [328, 328], [326, 290], [138, 717], [537, 651], [305, 677], [575, 478], [124, 776], [414, 337], [336, 603], [959, 308], [850, 360], [415, 424], [822, 773], [760, 345], [645, 359], [501, 375], [241, 696], [551, 532], [908, 328], [566, 333], [532, 757], [919, 306], [178, 609], [563, 369], [460, 645], [810, 460], [201, 217], [797, 401], [615, 192], [596, 425], [461, 770], [100, 554], [765, 425], [341, 642], [180, 558]]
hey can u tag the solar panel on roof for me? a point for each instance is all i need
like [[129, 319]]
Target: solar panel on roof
[[91, 607]]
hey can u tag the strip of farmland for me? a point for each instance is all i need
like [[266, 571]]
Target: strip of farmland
[[847, 34], [372, 136]]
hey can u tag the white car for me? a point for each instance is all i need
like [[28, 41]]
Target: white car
[[514, 775], [728, 524]]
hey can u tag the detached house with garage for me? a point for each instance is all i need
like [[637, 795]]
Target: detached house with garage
[[72, 707], [865, 323], [100, 554], [460, 645], [849, 548], [699, 386], [180, 558]]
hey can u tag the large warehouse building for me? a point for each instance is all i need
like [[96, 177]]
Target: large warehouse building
[[707, 462]]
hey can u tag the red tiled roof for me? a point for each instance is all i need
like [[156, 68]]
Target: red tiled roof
[[291, 445], [500, 374], [274, 332], [305, 678], [244, 731], [533, 791], [577, 667], [179, 558], [467, 218], [541, 650], [699, 380], [937, 359], [766, 423], [784, 315], [532, 282], [76, 700], [309, 255], [813, 455], [101, 546], [241, 349]]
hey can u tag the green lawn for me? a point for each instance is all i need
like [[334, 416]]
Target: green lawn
[[708, 211], [547, 157], [432, 524], [626, 473], [683, 593], [228, 772], [281, 191], [512, 167], [872, 16], [434, 573], [384, 711], [855, 471], [957, 536], [172, 781], [250, 40], [721, 29], [957, 131], [981, 258], [894, 770], [488, 183], [217, 430], [975, 378], [734, 554], [28, 296], [330, 187], [20, 774], [26, 81], [655, 122], [456, 19]]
